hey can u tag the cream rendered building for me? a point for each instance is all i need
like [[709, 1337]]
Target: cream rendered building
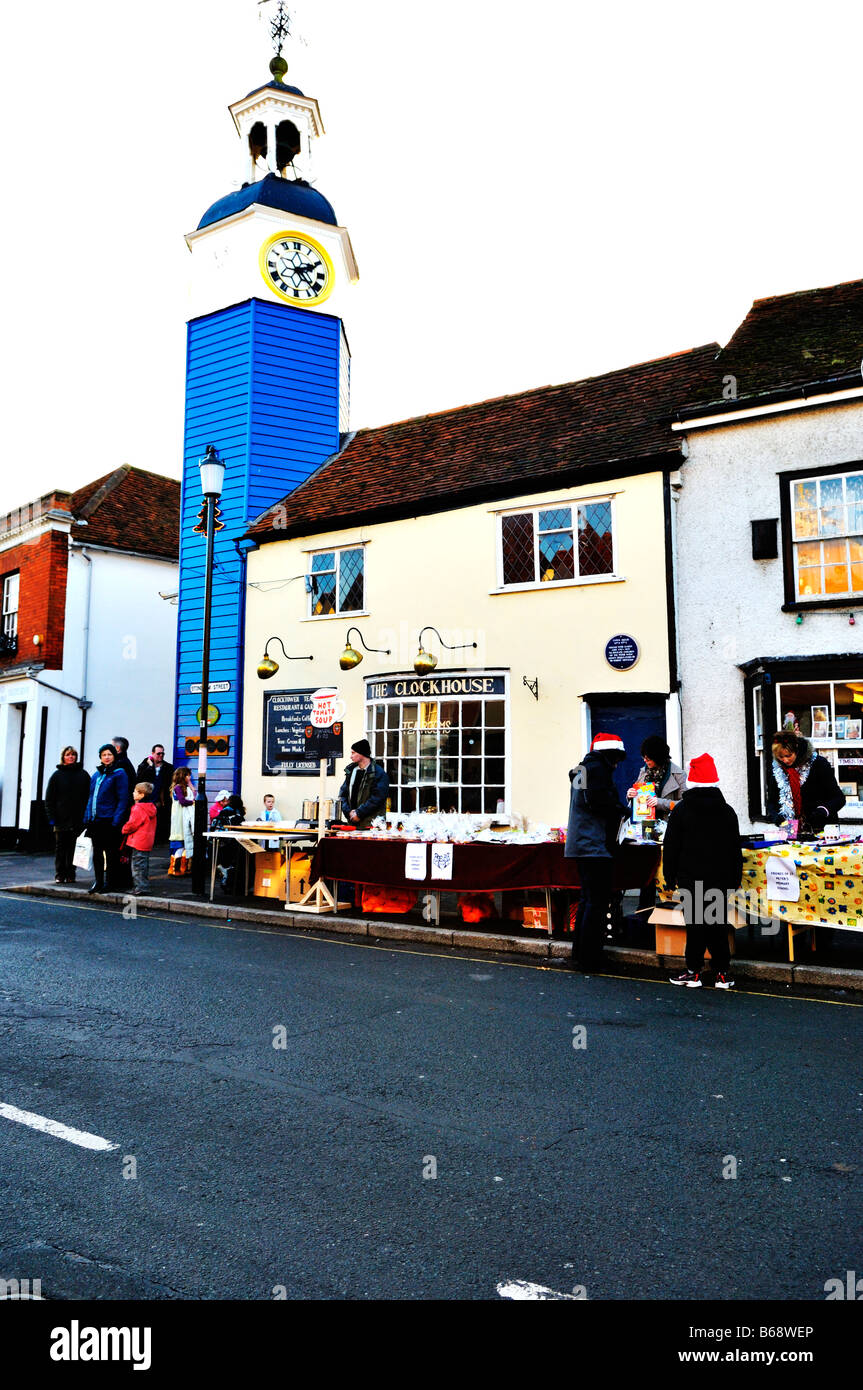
[[533, 533]]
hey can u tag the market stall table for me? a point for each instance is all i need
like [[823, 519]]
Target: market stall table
[[830, 882], [476, 868], [259, 833]]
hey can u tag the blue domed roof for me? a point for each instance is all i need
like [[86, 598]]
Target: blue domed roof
[[288, 195], [277, 86]]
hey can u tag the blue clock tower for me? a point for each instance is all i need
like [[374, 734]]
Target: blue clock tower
[[267, 383]]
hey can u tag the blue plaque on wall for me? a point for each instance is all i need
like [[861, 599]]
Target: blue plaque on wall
[[621, 652]]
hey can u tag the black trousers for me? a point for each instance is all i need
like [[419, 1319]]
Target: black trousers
[[590, 922], [712, 935], [64, 869], [106, 846], [712, 939]]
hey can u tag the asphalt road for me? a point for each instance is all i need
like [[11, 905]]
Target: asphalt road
[[300, 1168]]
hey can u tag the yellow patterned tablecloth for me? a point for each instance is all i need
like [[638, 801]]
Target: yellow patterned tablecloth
[[831, 883]]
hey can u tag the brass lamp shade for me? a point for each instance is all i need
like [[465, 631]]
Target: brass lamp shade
[[267, 668], [425, 662], [350, 658]]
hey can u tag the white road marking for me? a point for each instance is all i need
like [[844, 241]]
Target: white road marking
[[521, 1289], [73, 1136]]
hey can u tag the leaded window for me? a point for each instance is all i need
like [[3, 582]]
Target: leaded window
[[827, 534], [336, 582], [548, 545]]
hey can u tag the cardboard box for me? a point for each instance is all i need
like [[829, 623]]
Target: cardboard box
[[671, 932], [270, 875], [301, 867]]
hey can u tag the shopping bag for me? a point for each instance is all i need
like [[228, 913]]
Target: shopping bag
[[83, 856]]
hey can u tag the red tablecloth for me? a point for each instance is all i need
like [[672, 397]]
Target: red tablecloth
[[476, 868]]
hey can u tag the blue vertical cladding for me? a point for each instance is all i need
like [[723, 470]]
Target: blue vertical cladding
[[262, 384]]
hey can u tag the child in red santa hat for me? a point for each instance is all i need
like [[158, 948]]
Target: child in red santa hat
[[701, 856]]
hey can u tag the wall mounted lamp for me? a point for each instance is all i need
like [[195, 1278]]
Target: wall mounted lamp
[[267, 667], [425, 662], [350, 657]]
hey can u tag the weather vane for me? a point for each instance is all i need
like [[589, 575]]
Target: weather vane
[[280, 26]]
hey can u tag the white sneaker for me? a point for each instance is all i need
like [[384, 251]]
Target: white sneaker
[[690, 978], [722, 981]]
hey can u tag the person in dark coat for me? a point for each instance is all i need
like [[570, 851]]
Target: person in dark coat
[[701, 855], [232, 814], [156, 770], [803, 786], [124, 761], [363, 794], [595, 813], [104, 816], [65, 803]]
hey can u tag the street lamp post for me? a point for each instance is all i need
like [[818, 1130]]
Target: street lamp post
[[212, 477]]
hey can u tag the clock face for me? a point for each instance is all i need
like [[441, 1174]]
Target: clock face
[[297, 269]]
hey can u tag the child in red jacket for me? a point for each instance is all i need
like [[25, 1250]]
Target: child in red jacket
[[140, 832]]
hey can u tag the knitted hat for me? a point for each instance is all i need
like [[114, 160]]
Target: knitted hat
[[702, 772], [363, 747], [607, 743]]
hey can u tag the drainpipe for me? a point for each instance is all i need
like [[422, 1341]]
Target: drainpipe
[[84, 704]]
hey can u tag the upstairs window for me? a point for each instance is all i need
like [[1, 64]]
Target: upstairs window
[[553, 544], [9, 634], [336, 582], [10, 605], [827, 536]]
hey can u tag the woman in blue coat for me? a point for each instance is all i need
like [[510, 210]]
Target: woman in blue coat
[[107, 806]]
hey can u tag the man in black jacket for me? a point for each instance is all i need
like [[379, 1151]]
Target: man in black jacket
[[701, 856], [363, 794], [595, 813], [156, 770]]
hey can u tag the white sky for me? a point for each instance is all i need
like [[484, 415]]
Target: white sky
[[535, 192]]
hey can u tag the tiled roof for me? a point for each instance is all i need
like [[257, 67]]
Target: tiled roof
[[130, 509], [791, 341], [546, 438]]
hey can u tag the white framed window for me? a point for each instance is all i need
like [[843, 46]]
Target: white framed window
[[556, 544], [830, 714], [444, 753], [11, 584], [336, 581], [827, 536]]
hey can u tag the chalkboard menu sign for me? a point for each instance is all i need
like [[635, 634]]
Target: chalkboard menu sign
[[286, 714], [621, 651]]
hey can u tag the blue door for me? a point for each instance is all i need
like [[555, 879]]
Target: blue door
[[632, 721]]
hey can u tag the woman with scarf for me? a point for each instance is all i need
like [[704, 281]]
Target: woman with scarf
[[106, 810], [803, 787]]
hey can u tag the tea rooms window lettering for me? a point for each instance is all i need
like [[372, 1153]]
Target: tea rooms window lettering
[[336, 582], [827, 536], [559, 544]]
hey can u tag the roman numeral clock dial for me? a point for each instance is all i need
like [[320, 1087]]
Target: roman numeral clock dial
[[297, 269]]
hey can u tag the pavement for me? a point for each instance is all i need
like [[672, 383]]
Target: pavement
[[311, 1115], [837, 965]]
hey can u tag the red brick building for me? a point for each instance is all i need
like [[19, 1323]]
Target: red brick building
[[88, 639]]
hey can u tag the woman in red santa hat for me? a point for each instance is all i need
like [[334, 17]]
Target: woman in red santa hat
[[595, 813], [701, 856]]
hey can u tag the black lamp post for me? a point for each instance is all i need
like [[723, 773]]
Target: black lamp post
[[212, 478]]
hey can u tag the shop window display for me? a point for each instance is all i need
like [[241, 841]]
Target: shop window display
[[446, 755], [830, 715]]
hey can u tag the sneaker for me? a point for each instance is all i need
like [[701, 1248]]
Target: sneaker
[[722, 981], [690, 978]]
